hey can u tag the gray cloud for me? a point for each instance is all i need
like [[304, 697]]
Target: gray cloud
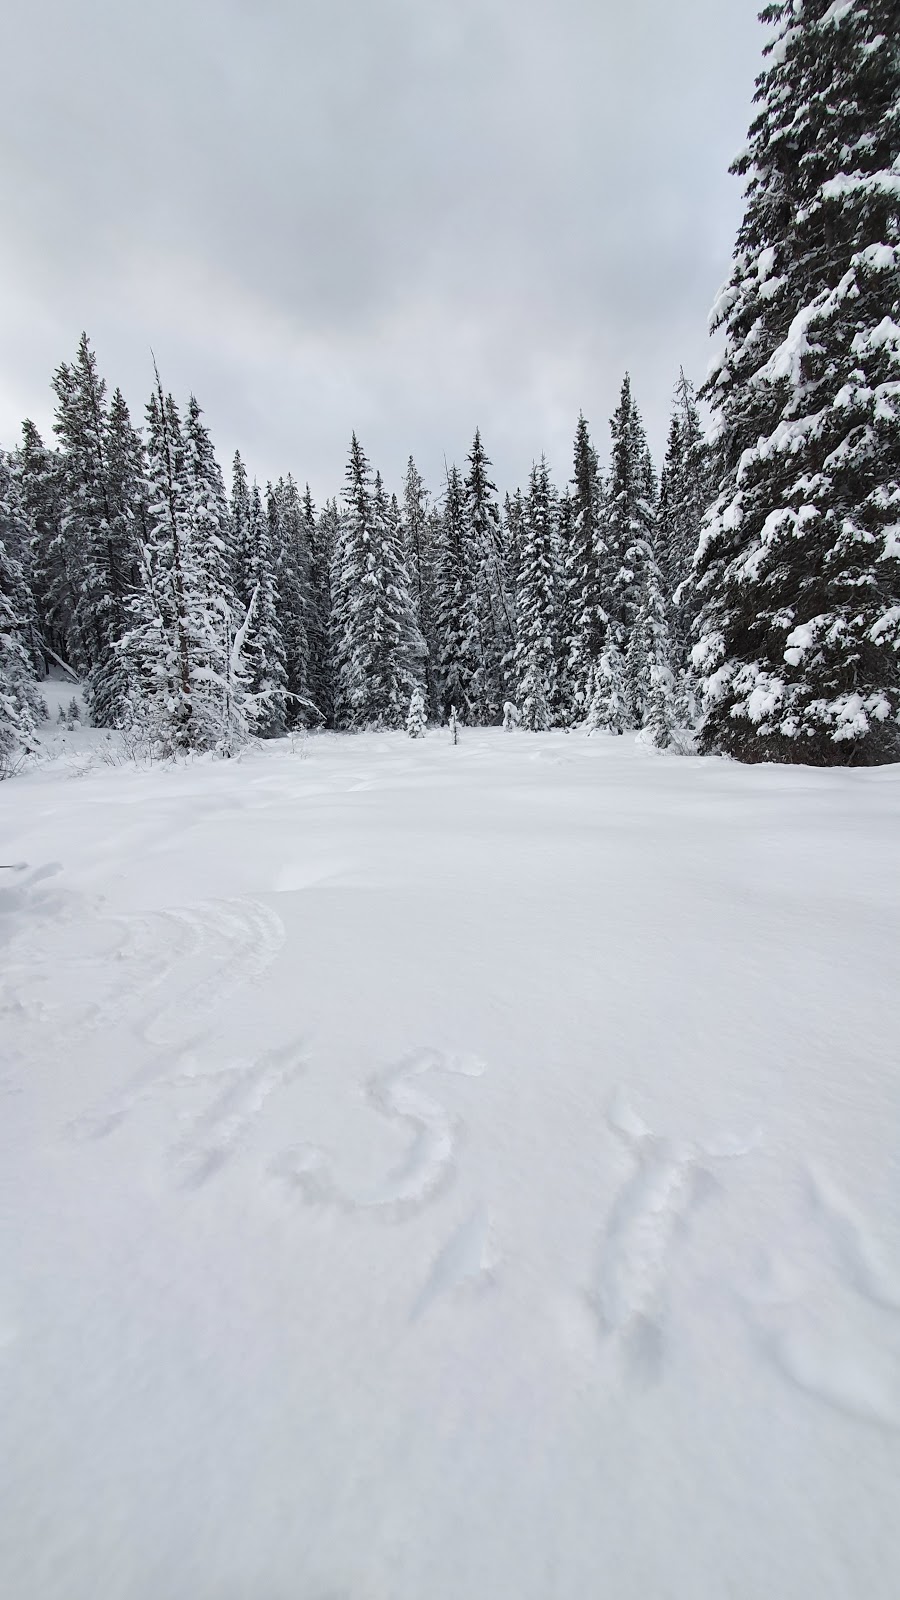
[[403, 216]]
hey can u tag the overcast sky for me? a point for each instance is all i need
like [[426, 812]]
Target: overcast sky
[[400, 216]]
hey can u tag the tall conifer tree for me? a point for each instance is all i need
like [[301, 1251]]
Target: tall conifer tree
[[513, 518], [39, 471], [537, 642], [100, 468], [417, 529], [318, 619], [374, 627], [288, 536], [266, 675], [240, 540], [686, 491], [402, 654], [18, 647], [159, 652], [456, 606], [206, 506], [584, 570], [495, 623], [799, 567], [629, 518], [648, 660]]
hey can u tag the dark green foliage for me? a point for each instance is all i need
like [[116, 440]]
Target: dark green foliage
[[494, 606], [19, 702], [585, 561], [537, 641], [456, 607], [378, 649], [629, 520], [799, 571], [92, 561]]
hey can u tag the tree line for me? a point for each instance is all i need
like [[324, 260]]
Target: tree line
[[750, 590], [199, 615]]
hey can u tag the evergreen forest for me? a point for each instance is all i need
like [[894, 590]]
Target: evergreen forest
[[740, 596]]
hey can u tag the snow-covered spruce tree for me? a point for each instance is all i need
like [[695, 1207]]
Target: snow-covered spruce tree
[[495, 617], [415, 721], [434, 534], [456, 606], [318, 537], [629, 519], [799, 566], [159, 652], [513, 515], [659, 714], [206, 506], [686, 491], [419, 555], [127, 482], [536, 713], [19, 700], [38, 470], [349, 646], [235, 705], [62, 565], [537, 649], [19, 540], [648, 660], [288, 541], [266, 676], [328, 525], [126, 490], [608, 706], [183, 653], [375, 638], [404, 649], [224, 711], [584, 571], [686, 487], [101, 468], [239, 537], [415, 523], [562, 702]]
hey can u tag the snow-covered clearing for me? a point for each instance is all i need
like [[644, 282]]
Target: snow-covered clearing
[[436, 1172]]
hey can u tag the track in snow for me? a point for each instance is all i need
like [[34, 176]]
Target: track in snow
[[854, 1243], [94, 970], [629, 1294], [240, 1088], [430, 1161], [466, 1263], [241, 937], [842, 1354]]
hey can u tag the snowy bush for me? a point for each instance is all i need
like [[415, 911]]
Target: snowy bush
[[415, 721]]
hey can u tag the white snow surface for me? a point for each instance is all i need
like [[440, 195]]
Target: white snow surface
[[432, 1172]]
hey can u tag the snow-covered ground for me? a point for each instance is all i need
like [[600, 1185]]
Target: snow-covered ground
[[435, 1173]]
